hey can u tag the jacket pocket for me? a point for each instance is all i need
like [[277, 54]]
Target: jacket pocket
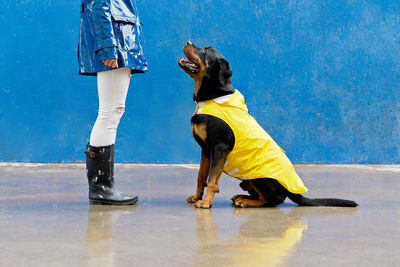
[[126, 33]]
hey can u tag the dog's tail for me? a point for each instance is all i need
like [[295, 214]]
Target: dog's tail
[[328, 202]]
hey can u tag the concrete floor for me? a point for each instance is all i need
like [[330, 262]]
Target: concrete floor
[[45, 220]]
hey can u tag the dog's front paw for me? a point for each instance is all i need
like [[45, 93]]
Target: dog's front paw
[[193, 199], [203, 204]]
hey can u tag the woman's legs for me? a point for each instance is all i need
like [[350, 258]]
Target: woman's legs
[[112, 89]]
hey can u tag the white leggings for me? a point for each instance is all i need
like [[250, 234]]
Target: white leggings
[[112, 89]]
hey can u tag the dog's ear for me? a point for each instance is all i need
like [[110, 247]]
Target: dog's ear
[[224, 70]]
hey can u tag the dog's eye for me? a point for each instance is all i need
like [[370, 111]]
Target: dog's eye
[[202, 50]]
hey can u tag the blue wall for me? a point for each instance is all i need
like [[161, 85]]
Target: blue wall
[[322, 77]]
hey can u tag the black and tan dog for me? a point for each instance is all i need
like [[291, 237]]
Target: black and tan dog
[[233, 142]]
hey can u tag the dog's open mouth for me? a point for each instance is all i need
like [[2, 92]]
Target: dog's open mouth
[[189, 65]]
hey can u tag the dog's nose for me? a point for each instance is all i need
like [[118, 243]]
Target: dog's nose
[[188, 43]]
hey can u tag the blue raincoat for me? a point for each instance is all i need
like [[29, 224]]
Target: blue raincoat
[[110, 29]]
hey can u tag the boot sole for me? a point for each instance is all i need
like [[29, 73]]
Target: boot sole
[[113, 202]]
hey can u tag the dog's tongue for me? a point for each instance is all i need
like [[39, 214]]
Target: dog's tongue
[[181, 60]]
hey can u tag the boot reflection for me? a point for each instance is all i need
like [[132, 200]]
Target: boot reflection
[[99, 238]]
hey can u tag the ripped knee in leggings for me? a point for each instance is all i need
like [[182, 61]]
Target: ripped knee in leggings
[[121, 109], [117, 114]]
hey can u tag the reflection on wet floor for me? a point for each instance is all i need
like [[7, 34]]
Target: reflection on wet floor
[[45, 219], [99, 233], [262, 240], [256, 244], [257, 241]]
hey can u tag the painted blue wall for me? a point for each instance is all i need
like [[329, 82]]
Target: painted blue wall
[[322, 77]]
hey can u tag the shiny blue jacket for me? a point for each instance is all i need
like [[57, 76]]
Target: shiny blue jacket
[[110, 29]]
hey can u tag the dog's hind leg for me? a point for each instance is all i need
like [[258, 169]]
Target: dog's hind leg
[[246, 186], [235, 197], [251, 203], [255, 199]]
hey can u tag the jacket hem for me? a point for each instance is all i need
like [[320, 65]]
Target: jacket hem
[[133, 71]]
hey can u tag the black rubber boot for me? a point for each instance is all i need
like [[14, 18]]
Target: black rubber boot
[[100, 173]]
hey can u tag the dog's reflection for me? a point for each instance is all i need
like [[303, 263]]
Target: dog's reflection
[[267, 238], [99, 238]]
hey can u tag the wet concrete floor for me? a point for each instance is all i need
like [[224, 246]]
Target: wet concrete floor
[[45, 220]]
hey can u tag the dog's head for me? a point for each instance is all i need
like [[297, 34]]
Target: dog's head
[[209, 69]]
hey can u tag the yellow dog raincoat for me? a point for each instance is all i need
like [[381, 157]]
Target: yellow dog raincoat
[[255, 154]]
